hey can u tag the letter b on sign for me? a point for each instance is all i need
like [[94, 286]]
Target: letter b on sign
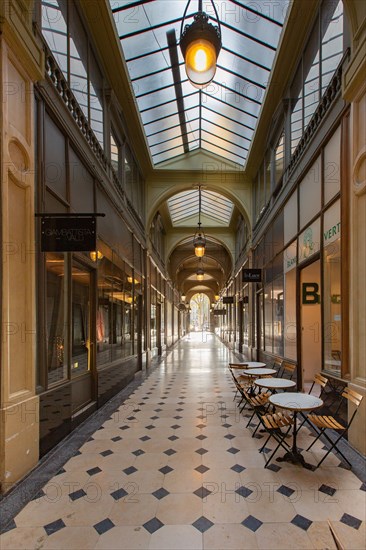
[[310, 293]]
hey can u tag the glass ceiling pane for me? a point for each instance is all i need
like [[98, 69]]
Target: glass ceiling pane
[[183, 206], [225, 114]]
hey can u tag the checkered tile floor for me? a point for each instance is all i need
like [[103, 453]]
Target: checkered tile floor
[[175, 468]]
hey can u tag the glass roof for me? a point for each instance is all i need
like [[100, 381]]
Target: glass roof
[[177, 117], [185, 206]]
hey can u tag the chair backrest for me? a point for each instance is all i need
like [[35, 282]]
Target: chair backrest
[[354, 397], [277, 365], [288, 370], [321, 381]]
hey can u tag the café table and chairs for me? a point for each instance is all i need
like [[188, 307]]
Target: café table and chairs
[[296, 402]]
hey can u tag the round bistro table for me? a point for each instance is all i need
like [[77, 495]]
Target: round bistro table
[[297, 403]]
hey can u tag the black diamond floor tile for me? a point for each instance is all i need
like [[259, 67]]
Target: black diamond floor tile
[[103, 526], [120, 493], [77, 494], [178, 417], [274, 467], [286, 491], [201, 437], [53, 527], [233, 450], [202, 492], [130, 470], [229, 436], [202, 469], [326, 489], [153, 525], [237, 468], [363, 486], [117, 438], [166, 470], [150, 427], [351, 521], [170, 452], [145, 438], [175, 426], [252, 523], [106, 453], [173, 438], [301, 522], [227, 425], [138, 452], [201, 451], [202, 524], [161, 493], [244, 491], [200, 426]]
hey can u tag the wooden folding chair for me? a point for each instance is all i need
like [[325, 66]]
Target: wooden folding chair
[[258, 404], [277, 365], [322, 423], [288, 370], [273, 425]]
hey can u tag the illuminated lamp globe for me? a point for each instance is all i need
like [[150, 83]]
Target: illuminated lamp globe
[[199, 246], [200, 45], [200, 274]]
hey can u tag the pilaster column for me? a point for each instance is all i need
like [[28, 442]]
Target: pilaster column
[[354, 91], [21, 63]]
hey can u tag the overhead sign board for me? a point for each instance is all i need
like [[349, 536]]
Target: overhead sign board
[[252, 275], [69, 234], [219, 311], [228, 300]]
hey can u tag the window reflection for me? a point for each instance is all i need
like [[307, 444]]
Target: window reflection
[[56, 317], [80, 320]]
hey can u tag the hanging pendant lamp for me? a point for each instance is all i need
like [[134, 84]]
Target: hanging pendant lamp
[[200, 43], [199, 240]]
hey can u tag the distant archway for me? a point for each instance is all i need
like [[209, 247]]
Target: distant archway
[[199, 312]]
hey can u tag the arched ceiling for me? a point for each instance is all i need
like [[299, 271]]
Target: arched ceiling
[[219, 217]]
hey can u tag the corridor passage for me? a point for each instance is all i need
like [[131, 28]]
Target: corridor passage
[[175, 468]]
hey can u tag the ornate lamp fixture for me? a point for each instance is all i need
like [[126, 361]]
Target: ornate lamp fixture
[[200, 43], [200, 273], [199, 240]]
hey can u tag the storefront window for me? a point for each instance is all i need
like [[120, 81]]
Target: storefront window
[[332, 290], [268, 321], [332, 39], [104, 320], [153, 318], [56, 317], [332, 169], [310, 193], [289, 266], [246, 316], [279, 159], [115, 161], [80, 320], [278, 316]]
